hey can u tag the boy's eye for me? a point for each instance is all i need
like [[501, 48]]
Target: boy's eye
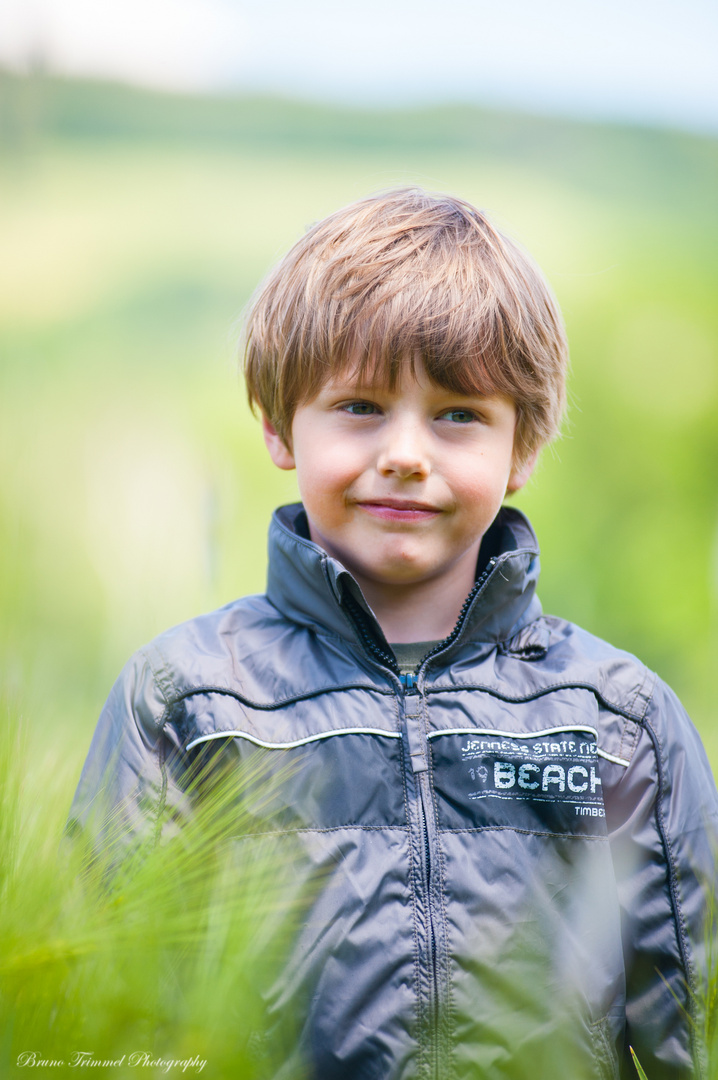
[[360, 408], [459, 416]]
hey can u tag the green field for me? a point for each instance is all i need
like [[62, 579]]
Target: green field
[[134, 486]]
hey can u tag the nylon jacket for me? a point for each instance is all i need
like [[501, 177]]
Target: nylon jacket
[[516, 843]]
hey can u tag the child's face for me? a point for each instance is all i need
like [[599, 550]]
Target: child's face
[[401, 485]]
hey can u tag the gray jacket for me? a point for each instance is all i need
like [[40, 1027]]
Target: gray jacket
[[516, 842]]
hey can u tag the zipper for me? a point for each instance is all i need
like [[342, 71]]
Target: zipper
[[387, 658], [433, 968], [459, 624], [369, 642], [418, 756]]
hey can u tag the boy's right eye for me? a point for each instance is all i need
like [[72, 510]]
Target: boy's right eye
[[360, 408]]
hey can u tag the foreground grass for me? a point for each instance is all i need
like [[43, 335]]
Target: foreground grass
[[167, 955], [169, 958]]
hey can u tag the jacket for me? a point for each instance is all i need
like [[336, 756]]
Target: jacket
[[516, 841]]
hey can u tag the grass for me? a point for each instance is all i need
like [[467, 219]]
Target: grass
[[174, 954], [639, 1069], [170, 952]]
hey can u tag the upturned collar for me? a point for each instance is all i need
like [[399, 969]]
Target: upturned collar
[[313, 589]]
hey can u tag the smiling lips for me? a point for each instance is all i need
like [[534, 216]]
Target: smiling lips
[[399, 510]]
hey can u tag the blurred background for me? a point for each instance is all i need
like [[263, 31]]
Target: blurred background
[[156, 158]]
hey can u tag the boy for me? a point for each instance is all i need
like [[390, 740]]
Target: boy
[[513, 819]]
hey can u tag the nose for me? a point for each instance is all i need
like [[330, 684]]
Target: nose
[[404, 451]]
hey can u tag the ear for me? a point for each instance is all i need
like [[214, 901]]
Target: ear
[[521, 473], [279, 452]]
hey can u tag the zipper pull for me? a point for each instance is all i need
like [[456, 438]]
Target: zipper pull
[[416, 740]]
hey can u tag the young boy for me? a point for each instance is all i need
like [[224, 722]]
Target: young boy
[[514, 820]]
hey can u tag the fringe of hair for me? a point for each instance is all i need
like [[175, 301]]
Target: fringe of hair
[[401, 276]]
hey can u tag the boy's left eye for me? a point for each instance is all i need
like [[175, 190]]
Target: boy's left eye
[[459, 416]]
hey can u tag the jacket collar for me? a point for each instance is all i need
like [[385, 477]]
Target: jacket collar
[[315, 590]]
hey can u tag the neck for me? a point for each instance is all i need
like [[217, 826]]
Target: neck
[[422, 611]]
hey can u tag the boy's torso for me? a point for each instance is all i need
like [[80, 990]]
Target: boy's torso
[[459, 820]]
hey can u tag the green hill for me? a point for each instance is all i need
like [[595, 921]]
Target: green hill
[[583, 152]]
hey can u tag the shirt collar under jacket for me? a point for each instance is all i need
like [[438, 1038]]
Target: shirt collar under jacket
[[314, 589]]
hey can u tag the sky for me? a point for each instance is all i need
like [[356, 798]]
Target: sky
[[647, 60]]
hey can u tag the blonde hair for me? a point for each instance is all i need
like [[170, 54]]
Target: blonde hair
[[400, 276]]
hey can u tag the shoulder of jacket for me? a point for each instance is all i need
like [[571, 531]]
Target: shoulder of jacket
[[208, 648], [576, 657], [251, 651], [628, 689]]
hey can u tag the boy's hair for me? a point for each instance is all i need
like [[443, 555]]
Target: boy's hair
[[401, 275]]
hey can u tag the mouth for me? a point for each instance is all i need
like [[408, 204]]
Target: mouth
[[405, 510]]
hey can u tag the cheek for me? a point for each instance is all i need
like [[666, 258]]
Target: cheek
[[326, 469], [322, 485], [481, 488]]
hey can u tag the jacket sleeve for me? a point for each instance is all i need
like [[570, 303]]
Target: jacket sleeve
[[664, 846], [130, 790]]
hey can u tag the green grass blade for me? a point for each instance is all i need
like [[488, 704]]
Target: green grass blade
[[636, 1062]]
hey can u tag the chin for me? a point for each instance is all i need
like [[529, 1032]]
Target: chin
[[402, 574]]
